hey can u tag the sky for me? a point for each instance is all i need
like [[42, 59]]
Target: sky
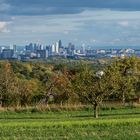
[[97, 23]]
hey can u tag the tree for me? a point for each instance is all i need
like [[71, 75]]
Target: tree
[[126, 77], [8, 83], [26, 91], [93, 87], [60, 88]]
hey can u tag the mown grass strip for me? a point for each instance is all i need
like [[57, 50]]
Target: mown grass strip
[[105, 122]]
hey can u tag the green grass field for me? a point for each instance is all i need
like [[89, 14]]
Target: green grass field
[[117, 124]]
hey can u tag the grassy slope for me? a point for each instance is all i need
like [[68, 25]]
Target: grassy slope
[[112, 124]]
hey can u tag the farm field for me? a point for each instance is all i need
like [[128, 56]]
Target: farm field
[[117, 124]]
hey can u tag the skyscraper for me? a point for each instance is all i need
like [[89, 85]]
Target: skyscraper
[[70, 50], [7, 53], [15, 48], [53, 49], [57, 47], [60, 43], [30, 48], [42, 54]]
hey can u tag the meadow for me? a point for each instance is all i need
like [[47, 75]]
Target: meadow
[[117, 124]]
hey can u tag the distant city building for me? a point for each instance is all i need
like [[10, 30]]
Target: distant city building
[[57, 48], [61, 50], [113, 51], [1, 49], [37, 47], [39, 51], [70, 49], [49, 49], [7, 54], [83, 49], [130, 51], [101, 51], [42, 54], [53, 49], [60, 43], [29, 48], [90, 52], [14, 48]]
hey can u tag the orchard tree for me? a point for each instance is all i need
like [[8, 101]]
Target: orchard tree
[[93, 87], [26, 91], [60, 88], [127, 76], [8, 83]]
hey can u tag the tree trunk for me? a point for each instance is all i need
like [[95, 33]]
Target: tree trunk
[[96, 110], [123, 98], [139, 100], [1, 101]]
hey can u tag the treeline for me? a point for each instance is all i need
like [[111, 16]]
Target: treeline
[[31, 83]]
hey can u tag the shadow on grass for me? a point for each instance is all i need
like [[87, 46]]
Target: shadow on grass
[[118, 114], [29, 118], [104, 115]]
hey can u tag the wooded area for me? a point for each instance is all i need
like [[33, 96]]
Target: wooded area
[[31, 83]]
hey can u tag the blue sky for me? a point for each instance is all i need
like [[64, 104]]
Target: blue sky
[[91, 22]]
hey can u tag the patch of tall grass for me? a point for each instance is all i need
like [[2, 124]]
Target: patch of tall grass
[[65, 107]]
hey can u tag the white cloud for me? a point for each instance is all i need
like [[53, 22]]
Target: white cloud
[[124, 23], [6, 31], [71, 22], [75, 39], [13, 18], [117, 40], [2, 26], [97, 27], [66, 32], [92, 40]]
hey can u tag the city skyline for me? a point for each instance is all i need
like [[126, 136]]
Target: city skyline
[[94, 22], [57, 50]]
